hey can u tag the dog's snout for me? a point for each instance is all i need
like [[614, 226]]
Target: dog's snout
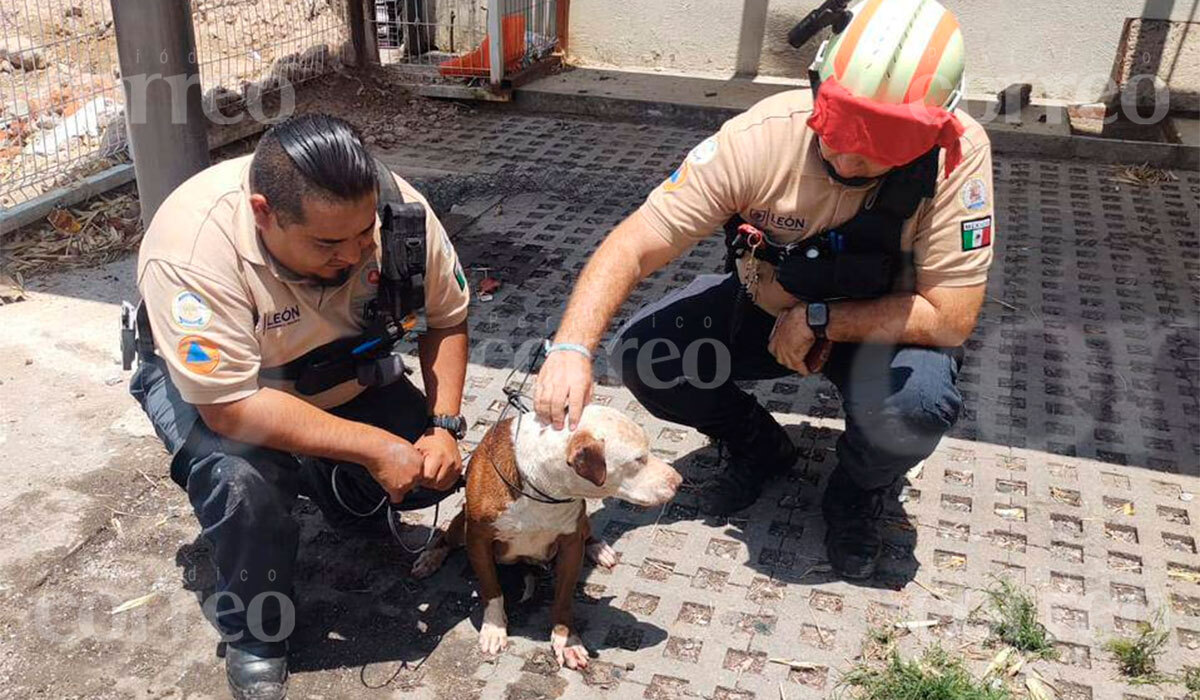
[[665, 468], [658, 484], [673, 480]]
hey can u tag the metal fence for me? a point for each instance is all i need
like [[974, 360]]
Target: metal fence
[[62, 104], [61, 100], [250, 48], [59, 94], [455, 39]]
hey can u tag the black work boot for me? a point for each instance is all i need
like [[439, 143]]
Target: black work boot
[[257, 671], [853, 532], [761, 451]]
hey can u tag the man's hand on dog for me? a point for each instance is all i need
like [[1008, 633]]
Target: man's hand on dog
[[564, 387], [442, 459]]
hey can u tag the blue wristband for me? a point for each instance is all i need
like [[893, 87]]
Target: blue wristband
[[548, 347]]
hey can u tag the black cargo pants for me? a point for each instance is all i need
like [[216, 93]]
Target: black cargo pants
[[243, 496]]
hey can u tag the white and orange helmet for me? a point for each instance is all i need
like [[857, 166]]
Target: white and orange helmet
[[887, 86], [898, 52]]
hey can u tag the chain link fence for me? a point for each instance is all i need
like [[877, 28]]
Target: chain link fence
[[59, 94], [62, 103], [61, 99], [251, 48]]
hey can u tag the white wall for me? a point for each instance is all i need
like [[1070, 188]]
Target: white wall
[[1065, 48]]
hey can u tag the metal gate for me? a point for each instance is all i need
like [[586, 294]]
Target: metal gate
[[497, 43]]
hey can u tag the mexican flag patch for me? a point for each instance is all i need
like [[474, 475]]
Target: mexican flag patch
[[459, 276], [977, 233]]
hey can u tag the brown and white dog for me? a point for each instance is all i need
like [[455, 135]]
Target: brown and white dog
[[608, 455]]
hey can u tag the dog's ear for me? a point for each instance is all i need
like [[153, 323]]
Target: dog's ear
[[585, 454]]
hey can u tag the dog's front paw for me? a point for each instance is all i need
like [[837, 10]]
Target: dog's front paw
[[568, 648], [429, 562], [492, 638], [599, 553], [493, 634]]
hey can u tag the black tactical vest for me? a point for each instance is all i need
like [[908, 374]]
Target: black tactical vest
[[859, 259]]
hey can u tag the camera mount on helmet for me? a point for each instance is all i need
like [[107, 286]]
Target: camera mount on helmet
[[831, 13]]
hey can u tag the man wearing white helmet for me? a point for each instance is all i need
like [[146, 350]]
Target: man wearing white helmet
[[860, 222]]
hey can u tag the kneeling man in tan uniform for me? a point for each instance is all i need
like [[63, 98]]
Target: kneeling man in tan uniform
[[859, 227], [273, 288]]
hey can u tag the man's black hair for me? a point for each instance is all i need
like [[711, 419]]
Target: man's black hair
[[311, 155]]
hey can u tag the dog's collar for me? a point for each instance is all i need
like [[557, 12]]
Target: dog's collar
[[541, 497], [516, 399]]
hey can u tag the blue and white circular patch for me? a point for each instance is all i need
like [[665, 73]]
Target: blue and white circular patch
[[974, 195], [191, 311], [705, 152]]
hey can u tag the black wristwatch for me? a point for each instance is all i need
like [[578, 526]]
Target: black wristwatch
[[818, 318], [456, 425]]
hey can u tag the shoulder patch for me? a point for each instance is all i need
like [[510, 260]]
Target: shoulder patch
[[190, 311], [460, 276], [705, 152], [974, 196], [977, 233], [677, 179], [199, 355]]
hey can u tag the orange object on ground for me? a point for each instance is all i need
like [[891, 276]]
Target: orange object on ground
[[478, 62], [489, 285]]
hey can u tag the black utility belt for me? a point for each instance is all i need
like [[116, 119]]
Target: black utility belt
[[370, 359], [822, 267]]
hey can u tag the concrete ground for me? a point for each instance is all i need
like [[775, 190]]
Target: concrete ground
[[1074, 471]]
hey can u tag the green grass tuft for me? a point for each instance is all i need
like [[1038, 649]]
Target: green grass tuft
[[1136, 656], [1014, 621], [1191, 681], [879, 643], [935, 676], [883, 635]]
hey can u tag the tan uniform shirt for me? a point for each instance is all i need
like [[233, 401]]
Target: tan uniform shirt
[[221, 308], [765, 165]]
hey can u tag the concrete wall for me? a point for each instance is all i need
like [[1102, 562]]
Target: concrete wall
[[1066, 48], [1168, 50]]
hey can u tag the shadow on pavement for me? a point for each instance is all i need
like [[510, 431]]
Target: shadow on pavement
[[355, 601], [358, 605], [782, 534]]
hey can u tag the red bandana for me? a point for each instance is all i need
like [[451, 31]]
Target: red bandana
[[893, 135]]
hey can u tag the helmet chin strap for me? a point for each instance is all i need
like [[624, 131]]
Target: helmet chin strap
[[847, 181]]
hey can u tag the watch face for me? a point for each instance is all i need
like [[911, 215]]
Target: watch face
[[457, 425], [818, 314]]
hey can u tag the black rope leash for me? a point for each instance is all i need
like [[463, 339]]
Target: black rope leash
[[515, 400]]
